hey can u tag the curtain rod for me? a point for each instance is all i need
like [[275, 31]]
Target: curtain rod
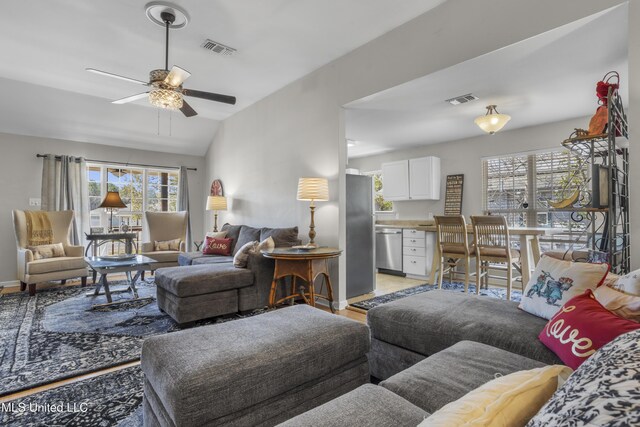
[[125, 164]]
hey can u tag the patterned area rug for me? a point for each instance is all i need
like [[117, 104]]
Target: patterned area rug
[[58, 334], [113, 399], [448, 286]]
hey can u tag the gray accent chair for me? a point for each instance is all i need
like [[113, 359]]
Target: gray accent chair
[[405, 331], [32, 271], [165, 226], [257, 371]]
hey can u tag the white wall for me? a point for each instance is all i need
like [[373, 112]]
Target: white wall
[[463, 157], [21, 178], [260, 152]]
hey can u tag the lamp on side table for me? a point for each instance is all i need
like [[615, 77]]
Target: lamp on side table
[[216, 204], [313, 190], [112, 201]]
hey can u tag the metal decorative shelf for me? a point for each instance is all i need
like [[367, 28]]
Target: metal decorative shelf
[[607, 226]]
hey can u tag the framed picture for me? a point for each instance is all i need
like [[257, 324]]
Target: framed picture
[[453, 195], [600, 186], [216, 188]]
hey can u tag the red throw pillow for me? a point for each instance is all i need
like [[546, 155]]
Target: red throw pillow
[[581, 327], [213, 246]]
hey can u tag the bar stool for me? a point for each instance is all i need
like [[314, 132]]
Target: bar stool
[[493, 246], [453, 244]]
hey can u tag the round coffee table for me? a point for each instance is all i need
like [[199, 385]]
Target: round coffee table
[[302, 264]]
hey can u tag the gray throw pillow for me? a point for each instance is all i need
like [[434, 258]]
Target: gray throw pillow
[[283, 237], [247, 234], [233, 232]]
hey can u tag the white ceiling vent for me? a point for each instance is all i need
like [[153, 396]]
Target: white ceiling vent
[[463, 99], [218, 48]]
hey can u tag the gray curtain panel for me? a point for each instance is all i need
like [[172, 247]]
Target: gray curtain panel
[[183, 203], [64, 187]]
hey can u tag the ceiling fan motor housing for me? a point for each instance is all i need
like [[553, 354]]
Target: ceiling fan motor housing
[[157, 77]]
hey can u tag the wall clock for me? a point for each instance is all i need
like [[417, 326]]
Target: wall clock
[[216, 188]]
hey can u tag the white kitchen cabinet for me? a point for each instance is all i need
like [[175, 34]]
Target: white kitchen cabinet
[[424, 178], [414, 265], [395, 178], [417, 253], [415, 179]]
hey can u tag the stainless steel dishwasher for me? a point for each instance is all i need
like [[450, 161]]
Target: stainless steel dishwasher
[[389, 250]]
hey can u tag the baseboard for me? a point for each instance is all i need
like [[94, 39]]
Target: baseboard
[[336, 305], [10, 284]]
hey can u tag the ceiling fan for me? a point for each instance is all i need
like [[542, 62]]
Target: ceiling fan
[[165, 85]]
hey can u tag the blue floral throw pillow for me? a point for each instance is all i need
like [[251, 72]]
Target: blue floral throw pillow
[[603, 391]]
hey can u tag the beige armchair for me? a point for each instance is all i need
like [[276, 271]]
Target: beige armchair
[[165, 226], [32, 271]]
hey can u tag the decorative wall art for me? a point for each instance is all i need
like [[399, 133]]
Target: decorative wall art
[[453, 195], [216, 188]]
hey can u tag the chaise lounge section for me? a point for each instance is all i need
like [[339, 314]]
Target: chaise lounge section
[[205, 286]]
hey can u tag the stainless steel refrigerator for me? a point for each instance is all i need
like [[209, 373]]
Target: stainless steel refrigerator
[[360, 249]]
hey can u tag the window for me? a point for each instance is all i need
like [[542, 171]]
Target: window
[[141, 189], [521, 186], [381, 205]]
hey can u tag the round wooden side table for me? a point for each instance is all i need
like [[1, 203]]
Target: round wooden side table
[[302, 264]]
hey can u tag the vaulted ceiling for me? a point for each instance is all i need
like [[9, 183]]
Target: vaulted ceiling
[[47, 44]]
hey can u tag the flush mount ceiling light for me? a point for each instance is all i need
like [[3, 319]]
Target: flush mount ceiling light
[[493, 121]]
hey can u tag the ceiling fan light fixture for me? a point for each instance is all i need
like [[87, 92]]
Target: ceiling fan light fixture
[[492, 121], [164, 98]]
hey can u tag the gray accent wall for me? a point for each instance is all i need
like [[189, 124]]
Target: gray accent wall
[[260, 152], [464, 156], [21, 178]]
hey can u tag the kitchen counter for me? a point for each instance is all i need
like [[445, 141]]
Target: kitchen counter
[[405, 223]]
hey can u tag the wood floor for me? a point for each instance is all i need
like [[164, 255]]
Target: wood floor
[[385, 284]]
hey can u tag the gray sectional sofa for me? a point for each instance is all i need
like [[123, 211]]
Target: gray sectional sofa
[[406, 331], [429, 350], [205, 286], [410, 396]]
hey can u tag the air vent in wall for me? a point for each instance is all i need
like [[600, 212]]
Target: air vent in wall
[[218, 48], [462, 99]]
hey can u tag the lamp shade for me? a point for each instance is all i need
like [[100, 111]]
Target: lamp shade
[[313, 189], [216, 203], [493, 121], [112, 200]]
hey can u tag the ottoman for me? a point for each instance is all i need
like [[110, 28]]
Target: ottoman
[[257, 371], [198, 292]]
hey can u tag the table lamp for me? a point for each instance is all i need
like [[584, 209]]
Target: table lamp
[[313, 190], [112, 201], [216, 204]]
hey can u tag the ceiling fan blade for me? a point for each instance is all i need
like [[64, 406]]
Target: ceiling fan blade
[[210, 96], [176, 76], [116, 76], [187, 110], [130, 98]]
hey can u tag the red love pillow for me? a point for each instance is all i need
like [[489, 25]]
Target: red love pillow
[[213, 246], [581, 327]]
